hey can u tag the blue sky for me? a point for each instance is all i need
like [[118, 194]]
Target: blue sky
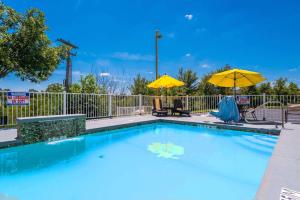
[[117, 37]]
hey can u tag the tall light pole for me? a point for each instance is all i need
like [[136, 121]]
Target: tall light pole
[[157, 37], [68, 80]]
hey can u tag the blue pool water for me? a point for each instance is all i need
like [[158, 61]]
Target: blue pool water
[[149, 162]]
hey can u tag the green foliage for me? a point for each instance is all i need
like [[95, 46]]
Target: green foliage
[[55, 87], [265, 88], [32, 90], [25, 49], [293, 89], [75, 88], [89, 84], [280, 87], [252, 90], [139, 86], [190, 79]]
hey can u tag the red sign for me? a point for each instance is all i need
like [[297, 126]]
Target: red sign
[[18, 98]]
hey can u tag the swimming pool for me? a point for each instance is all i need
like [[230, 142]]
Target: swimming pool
[[158, 161]]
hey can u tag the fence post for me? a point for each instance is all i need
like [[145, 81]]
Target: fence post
[[65, 103], [109, 106], [282, 116], [220, 97], [140, 104], [187, 102], [264, 106]]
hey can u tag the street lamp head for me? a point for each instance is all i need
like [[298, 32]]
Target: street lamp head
[[158, 34], [68, 43]]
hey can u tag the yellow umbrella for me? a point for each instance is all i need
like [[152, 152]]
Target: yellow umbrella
[[236, 78], [165, 82]]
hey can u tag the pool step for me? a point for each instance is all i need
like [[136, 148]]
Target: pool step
[[256, 144]]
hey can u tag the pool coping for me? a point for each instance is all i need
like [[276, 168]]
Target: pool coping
[[209, 125], [50, 117], [108, 126]]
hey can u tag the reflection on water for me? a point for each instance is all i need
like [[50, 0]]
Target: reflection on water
[[41, 155], [28, 157]]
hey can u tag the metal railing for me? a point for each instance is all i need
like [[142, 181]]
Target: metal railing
[[268, 110], [106, 105]]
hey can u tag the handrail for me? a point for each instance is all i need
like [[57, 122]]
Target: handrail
[[273, 102]]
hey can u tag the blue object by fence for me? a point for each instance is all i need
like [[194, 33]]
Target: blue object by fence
[[228, 110]]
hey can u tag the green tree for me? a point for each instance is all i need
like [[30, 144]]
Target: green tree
[[205, 88], [280, 87], [75, 88], [55, 87], [89, 84], [32, 90], [25, 49], [265, 88], [252, 90], [293, 88], [139, 86], [190, 79]]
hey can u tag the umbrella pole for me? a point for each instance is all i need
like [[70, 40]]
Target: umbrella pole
[[234, 87], [166, 98]]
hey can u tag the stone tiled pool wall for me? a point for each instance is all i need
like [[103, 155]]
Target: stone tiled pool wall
[[37, 129]]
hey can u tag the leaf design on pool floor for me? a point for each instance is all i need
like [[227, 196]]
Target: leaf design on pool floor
[[5, 197], [168, 150]]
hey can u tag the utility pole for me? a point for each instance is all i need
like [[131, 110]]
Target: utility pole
[[68, 80], [157, 37]]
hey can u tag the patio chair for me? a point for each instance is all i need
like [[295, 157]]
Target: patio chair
[[243, 103], [158, 109], [244, 110], [178, 108]]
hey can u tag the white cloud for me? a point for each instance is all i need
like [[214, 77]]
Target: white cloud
[[77, 5], [188, 55], [86, 53], [200, 30], [205, 65], [104, 74], [132, 57], [63, 73], [294, 69], [59, 72], [77, 73], [171, 35], [103, 63], [189, 16]]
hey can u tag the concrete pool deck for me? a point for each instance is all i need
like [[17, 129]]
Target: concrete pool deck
[[283, 169], [284, 166]]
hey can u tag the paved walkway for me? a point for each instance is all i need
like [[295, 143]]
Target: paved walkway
[[8, 137], [284, 166]]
